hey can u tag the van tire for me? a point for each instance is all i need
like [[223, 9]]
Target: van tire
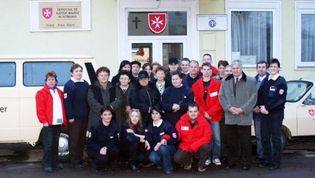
[[284, 138], [63, 148]]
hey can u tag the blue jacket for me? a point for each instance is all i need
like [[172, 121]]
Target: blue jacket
[[76, 102]]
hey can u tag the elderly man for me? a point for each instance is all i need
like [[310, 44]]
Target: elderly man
[[238, 96]]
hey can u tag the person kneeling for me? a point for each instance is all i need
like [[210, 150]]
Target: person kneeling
[[132, 138], [162, 136], [195, 134], [103, 140]]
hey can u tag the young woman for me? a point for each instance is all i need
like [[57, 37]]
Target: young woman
[[176, 98], [102, 143], [77, 111], [162, 139], [124, 66], [50, 113], [133, 143], [99, 95]]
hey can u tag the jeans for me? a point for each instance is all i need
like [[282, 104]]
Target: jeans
[[257, 125], [163, 157], [216, 140], [271, 129]]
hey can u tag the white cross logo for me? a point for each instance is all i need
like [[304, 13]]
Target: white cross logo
[[157, 22], [47, 13]]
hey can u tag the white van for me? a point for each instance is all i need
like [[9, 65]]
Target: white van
[[20, 79]]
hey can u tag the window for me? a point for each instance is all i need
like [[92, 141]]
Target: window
[[305, 16], [297, 89], [7, 74], [34, 72], [254, 31]]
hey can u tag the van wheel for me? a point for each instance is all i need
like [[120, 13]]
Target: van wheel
[[63, 148], [284, 139]]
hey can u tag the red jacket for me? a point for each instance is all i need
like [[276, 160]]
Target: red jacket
[[212, 105], [191, 139], [44, 106]]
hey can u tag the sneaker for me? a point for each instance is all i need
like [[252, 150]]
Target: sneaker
[[188, 167], [201, 169], [208, 162], [217, 162]]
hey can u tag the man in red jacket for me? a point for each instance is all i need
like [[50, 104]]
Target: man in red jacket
[[206, 91], [194, 133], [50, 113]]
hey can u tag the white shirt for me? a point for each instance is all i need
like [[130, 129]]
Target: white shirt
[[57, 108], [239, 78], [158, 123], [75, 81], [275, 77]]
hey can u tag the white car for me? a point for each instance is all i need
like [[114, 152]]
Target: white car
[[299, 114]]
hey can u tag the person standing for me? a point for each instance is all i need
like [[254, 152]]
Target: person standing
[[192, 76], [124, 66], [238, 96], [102, 143], [51, 114], [206, 91], [77, 111], [176, 98], [272, 97], [184, 65], [262, 73], [194, 134], [99, 95], [160, 82], [135, 69]]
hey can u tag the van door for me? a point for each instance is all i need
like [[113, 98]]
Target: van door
[[306, 115], [9, 102]]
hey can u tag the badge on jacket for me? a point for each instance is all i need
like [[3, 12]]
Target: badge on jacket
[[65, 95], [185, 128], [213, 94]]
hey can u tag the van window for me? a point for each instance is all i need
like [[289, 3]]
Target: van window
[[7, 74], [297, 89], [34, 72]]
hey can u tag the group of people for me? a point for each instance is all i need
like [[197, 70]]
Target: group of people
[[183, 113]]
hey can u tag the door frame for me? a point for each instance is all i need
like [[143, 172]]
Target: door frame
[[191, 40]]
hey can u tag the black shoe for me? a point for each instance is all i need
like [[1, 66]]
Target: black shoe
[[133, 168], [264, 164], [58, 166], [48, 169], [245, 167], [274, 167], [230, 166], [78, 165]]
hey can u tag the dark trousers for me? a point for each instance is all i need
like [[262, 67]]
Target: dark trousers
[[271, 125], [77, 137], [185, 158], [134, 151], [101, 161], [239, 144], [50, 140], [224, 147]]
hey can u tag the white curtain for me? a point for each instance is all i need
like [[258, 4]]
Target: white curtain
[[308, 38], [252, 34]]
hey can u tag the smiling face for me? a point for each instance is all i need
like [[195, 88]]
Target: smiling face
[[155, 115], [134, 117], [262, 69], [160, 75], [126, 67], [184, 66], [176, 81], [274, 68], [102, 77], [77, 73], [51, 82], [206, 71], [193, 112], [124, 80]]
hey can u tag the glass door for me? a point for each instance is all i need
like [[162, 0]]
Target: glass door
[[142, 52]]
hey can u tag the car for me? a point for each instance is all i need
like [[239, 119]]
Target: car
[[20, 78]]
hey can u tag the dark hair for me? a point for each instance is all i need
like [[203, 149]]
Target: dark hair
[[275, 61], [180, 75], [262, 62], [192, 105], [135, 62], [223, 63], [161, 68], [74, 66], [51, 74], [207, 54], [156, 63], [124, 72], [185, 59], [106, 108], [123, 63], [157, 109], [146, 65], [102, 69], [206, 64]]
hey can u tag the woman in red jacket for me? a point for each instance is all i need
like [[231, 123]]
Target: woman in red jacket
[[194, 134], [206, 91], [50, 113]]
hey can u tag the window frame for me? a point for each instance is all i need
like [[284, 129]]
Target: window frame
[[10, 62], [33, 62], [273, 6], [301, 7]]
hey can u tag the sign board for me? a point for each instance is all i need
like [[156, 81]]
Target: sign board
[[60, 15], [212, 22]]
